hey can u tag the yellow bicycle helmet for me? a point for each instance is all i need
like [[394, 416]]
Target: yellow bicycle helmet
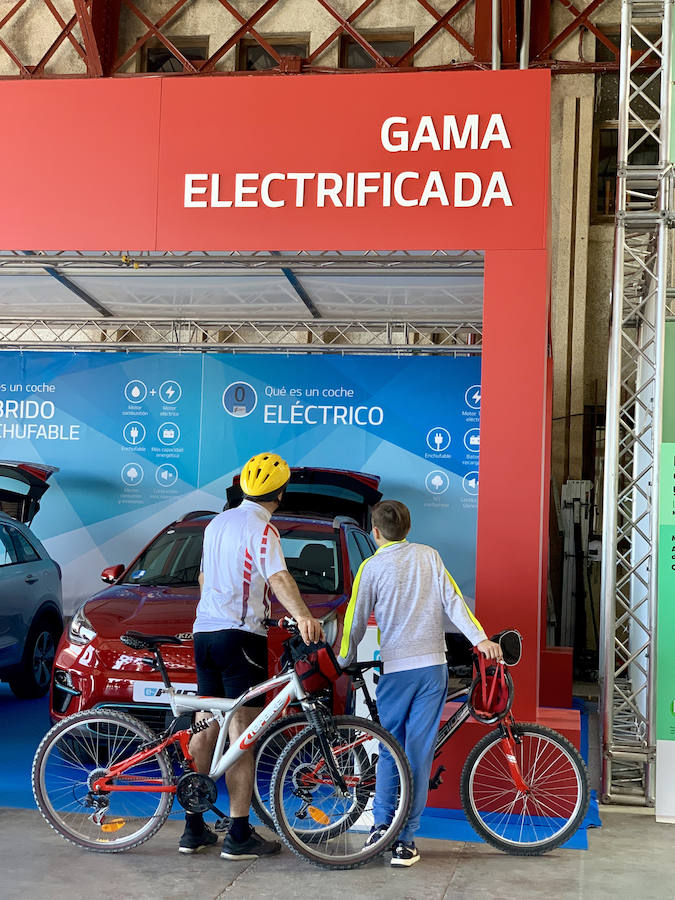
[[263, 474]]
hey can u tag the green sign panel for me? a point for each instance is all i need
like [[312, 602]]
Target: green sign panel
[[665, 688]]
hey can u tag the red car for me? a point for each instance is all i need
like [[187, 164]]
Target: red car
[[323, 525]]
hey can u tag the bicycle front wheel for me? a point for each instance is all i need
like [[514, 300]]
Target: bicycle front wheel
[[268, 749], [531, 822], [320, 823], [81, 749]]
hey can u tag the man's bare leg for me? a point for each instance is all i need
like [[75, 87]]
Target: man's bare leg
[[242, 842], [240, 776], [202, 744], [196, 836]]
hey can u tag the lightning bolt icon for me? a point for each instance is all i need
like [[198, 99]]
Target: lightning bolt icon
[[476, 397], [170, 392]]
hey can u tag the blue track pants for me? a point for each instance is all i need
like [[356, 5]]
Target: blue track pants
[[410, 706]]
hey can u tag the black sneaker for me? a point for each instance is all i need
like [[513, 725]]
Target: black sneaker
[[253, 847], [376, 832], [194, 841], [404, 853]]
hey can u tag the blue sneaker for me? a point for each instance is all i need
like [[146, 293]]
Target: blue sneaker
[[376, 833], [404, 853]]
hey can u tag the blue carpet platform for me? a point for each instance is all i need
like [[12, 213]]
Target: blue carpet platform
[[29, 720]]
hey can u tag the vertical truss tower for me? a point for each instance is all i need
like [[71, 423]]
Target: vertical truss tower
[[634, 409]]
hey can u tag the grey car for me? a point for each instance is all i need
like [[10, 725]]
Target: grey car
[[31, 611]]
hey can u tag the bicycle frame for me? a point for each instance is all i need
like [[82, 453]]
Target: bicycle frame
[[222, 710], [454, 723]]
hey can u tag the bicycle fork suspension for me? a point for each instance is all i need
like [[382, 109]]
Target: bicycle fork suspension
[[321, 728], [508, 745]]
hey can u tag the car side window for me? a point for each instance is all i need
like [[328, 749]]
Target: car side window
[[354, 552], [7, 550], [366, 545], [26, 551]]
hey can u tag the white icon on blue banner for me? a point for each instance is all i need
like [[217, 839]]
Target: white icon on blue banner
[[170, 392], [135, 391], [470, 483], [437, 482], [472, 440], [134, 433], [132, 474], [438, 439], [168, 433], [240, 399], [472, 397], [166, 475]]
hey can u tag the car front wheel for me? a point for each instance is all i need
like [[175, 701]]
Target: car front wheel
[[32, 678]]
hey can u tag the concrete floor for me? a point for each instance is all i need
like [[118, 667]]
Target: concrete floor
[[629, 857]]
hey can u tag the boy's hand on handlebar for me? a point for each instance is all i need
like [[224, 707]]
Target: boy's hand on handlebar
[[490, 649], [310, 630]]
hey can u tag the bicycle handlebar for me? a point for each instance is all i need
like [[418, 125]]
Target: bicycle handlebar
[[285, 622]]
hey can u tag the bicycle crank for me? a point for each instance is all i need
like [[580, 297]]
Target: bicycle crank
[[196, 793]]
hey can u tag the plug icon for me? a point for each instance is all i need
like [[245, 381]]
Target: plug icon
[[438, 440]]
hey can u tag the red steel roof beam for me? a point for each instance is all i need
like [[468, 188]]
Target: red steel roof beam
[[187, 65], [581, 20], [360, 40], [66, 29], [210, 63], [442, 21], [267, 47], [105, 20], [15, 59], [93, 57], [482, 36], [338, 31], [39, 69], [160, 23], [540, 27]]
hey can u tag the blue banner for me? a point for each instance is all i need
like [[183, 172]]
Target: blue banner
[[141, 438]]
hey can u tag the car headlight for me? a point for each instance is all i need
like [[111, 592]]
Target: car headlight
[[81, 630], [330, 627]]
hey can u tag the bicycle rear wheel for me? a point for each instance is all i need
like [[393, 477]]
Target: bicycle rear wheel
[[268, 749], [78, 751], [312, 817], [525, 823]]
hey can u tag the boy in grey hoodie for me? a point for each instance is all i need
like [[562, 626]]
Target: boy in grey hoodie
[[407, 588]]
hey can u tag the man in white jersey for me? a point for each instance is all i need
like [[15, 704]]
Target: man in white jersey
[[242, 565]]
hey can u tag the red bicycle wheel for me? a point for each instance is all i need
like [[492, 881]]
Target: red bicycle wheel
[[531, 821]]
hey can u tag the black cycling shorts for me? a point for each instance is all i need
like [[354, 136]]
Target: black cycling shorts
[[229, 662]]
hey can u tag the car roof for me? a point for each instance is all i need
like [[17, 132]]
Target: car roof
[[202, 518]]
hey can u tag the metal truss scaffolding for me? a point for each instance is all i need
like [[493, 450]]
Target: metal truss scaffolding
[[634, 405], [324, 336]]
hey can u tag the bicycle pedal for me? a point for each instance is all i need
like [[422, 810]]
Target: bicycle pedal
[[436, 779], [222, 824]]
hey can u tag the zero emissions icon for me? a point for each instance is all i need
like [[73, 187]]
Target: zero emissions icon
[[239, 399]]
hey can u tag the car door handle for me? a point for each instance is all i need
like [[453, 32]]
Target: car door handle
[[31, 579]]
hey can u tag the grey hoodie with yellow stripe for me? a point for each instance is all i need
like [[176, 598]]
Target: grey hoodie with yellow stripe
[[407, 588]]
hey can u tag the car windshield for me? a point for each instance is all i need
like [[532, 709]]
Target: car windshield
[[174, 558]]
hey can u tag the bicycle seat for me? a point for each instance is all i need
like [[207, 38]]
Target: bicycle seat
[[139, 641]]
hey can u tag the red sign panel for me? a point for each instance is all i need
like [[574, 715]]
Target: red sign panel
[[412, 160]]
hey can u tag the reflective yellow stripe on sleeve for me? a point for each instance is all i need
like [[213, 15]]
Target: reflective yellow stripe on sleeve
[[349, 615], [459, 593]]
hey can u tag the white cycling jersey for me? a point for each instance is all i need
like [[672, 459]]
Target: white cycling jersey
[[242, 550]]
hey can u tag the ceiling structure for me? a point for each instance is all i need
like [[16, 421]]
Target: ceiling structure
[[257, 301], [90, 30]]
